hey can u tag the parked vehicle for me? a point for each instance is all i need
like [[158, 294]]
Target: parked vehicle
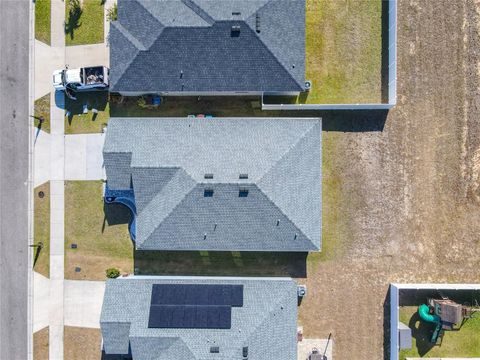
[[82, 79]]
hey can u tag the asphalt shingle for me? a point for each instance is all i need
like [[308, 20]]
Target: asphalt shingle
[[189, 46], [277, 208], [266, 323]]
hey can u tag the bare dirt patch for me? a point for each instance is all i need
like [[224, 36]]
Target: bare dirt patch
[[408, 195], [40, 344], [82, 343]]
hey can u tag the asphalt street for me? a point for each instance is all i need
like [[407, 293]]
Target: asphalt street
[[14, 145]]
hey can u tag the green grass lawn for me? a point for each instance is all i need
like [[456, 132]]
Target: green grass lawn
[[76, 122], [87, 123], [42, 109], [183, 106], [42, 20], [335, 229], [462, 343], [42, 229], [101, 235], [219, 263], [344, 51], [84, 22]]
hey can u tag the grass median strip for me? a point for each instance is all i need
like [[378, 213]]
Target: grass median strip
[[42, 229], [42, 20], [42, 111], [99, 232]]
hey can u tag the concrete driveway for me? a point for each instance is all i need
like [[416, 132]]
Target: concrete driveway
[[82, 302], [83, 157]]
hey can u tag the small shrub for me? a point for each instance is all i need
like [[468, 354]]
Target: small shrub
[[112, 273], [112, 13]]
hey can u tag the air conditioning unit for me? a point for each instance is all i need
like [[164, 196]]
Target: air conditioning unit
[[301, 291]]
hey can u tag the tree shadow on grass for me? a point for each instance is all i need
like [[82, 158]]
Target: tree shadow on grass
[[73, 19]]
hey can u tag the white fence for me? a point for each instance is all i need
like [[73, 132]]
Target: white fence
[[392, 77], [395, 307]]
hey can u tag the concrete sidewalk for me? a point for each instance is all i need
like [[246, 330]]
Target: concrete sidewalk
[[41, 159], [41, 297], [57, 194]]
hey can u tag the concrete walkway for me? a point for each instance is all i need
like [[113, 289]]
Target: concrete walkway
[[58, 158], [82, 305], [41, 154], [57, 193], [41, 310]]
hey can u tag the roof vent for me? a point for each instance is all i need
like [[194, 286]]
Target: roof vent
[[243, 176], [243, 192], [235, 31], [245, 351], [214, 349], [208, 192], [257, 23], [208, 176]]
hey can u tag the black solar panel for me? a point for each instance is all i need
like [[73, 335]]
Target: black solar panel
[[190, 317], [196, 294]]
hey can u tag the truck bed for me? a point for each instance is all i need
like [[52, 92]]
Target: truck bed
[[93, 75]]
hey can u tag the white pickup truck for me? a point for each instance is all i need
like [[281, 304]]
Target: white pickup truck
[[82, 79]]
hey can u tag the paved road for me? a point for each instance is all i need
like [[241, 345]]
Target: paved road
[[14, 139]]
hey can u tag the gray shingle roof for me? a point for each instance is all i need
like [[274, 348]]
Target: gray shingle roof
[[166, 159], [266, 322], [188, 45]]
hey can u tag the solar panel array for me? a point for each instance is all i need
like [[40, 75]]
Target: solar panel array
[[191, 306]]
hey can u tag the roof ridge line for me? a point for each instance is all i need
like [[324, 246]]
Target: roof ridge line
[[271, 53], [151, 14], [133, 40], [288, 151], [267, 316], [288, 218], [199, 11], [257, 184], [174, 207], [128, 35]]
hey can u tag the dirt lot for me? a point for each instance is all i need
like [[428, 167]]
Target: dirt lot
[[408, 196]]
